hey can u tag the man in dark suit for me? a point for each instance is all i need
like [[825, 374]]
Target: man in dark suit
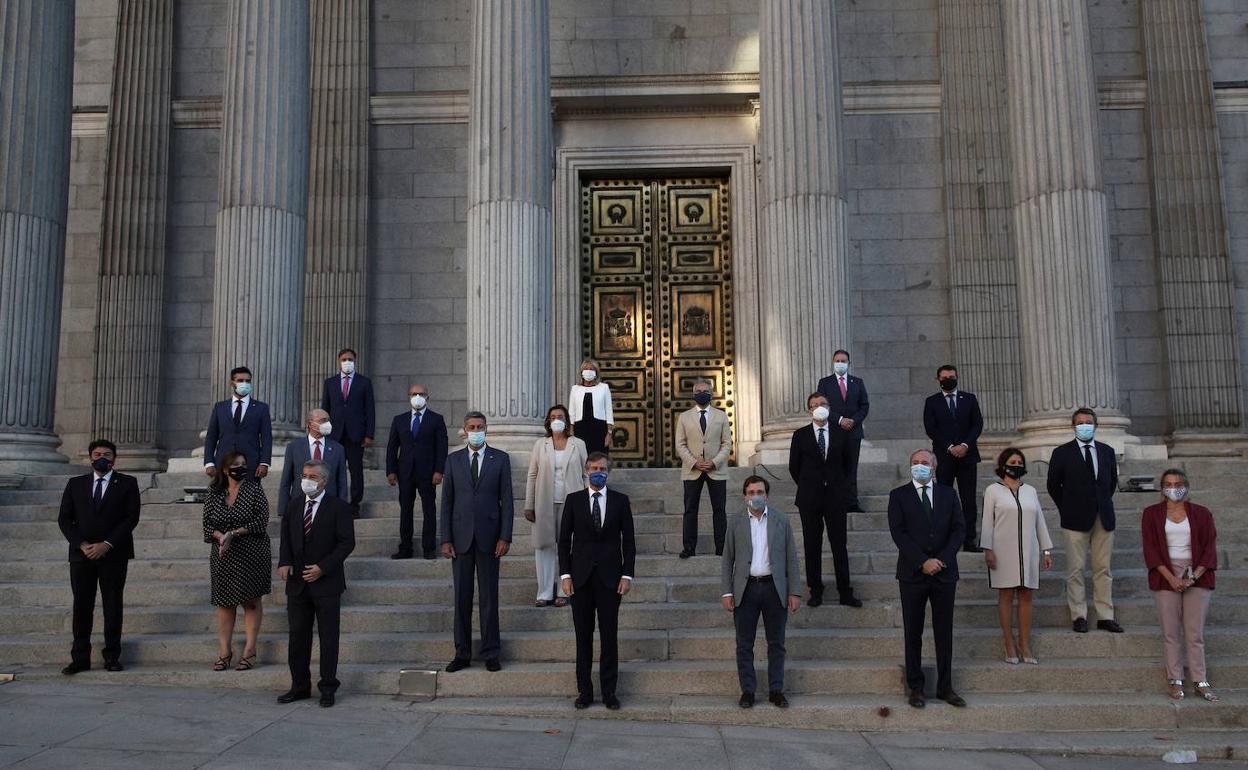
[[416, 460], [815, 464], [926, 523], [477, 517], [597, 554], [318, 533], [348, 397], [953, 422], [240, 424], [99, 512], [848, 402], [315, 445], [1083, 475]]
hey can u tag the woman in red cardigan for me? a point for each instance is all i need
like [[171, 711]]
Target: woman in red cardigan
[[1180, 551]]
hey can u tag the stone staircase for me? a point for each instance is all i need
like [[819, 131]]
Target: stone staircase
[[676, 642]]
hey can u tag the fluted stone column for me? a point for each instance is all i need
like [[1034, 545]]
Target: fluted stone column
[[1061, 232], [129, 321], [509, 220], [336, 276], [982, 270], [262, 226], [804, 299], [36, 72], [1193, 243]]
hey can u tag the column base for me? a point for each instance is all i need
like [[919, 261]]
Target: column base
[[1201, 444], [516, 439], [32, 454], [140, 457], [773, 450], [1041, 435], [992, 444]]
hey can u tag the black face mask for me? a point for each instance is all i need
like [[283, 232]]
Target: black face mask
[[701, 399], [238, 473], [1016, 471], [949, 384], [102, 464]]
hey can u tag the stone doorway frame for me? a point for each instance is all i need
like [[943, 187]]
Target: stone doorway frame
[[738, 161]]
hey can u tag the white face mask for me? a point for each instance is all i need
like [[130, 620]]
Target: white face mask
[[309, 487], [1177, 494], [476, 439], [418, 402], [348, 367], [821, 413], [558, 426], [589, 375], [840, 367], [325, 428], [243, 389]]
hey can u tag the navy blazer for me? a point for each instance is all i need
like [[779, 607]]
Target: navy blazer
[[421, 455], [817, 477], [115, 519], [945, 431], [254, 437], [855, 406], [328, 545], [919, 539], [609, 554], [354, 418], [297, 453], [484, 512], [1080, 499]]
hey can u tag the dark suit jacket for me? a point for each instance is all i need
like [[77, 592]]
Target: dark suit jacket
[[115, 520], [816, 477], [1080, 498], [254, 437], [421, 456], [354, 418], [332, 539], [483, 513], [855, 406], [297, 453], [944, 431], [608, 555], [919, 539]]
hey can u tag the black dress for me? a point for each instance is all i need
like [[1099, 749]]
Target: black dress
[[590, 429], [246, 571]]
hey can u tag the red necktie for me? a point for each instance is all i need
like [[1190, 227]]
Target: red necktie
[[316, 453], [307, 518], [844, 392], [346, 387]]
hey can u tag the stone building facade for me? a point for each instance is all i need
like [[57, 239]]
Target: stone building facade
[[1050, 193]]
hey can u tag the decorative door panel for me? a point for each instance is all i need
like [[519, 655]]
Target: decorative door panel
[[656, 278]]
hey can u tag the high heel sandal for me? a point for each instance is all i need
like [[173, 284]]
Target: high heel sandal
[[1206, 692], [223, 662], [1176, 689], [246, 663]]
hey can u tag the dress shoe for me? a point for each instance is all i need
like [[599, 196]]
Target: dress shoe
[[401, 554], [611, 702], [815, 600], [778, 700], [952, 698], [430, 555], [583, 701], [74, 668], [747, 700], [916, 699], [327, 700], [972, 548], [493, 665], [290, 696], [457, 664], [849, 600], [113, 665], [685, 554], [1080, 626], [1110, 625]]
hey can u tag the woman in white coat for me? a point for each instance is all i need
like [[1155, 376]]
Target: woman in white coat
[[1016, 545], [591, 415], [556, 469]]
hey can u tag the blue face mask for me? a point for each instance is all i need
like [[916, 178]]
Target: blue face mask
[[840, 367], [921, 473], [598, 479], [701, 399], [1085, 431], [476, 438], [243, 389]]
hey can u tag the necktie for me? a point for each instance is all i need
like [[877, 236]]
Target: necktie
[[844, 390], [238, 412], [316, 453], [702, 421], [953, 405], [307, 518], [99, 491], [476, 468], [823, 445], [346, 387], [927, 503], [1087, 460], [415, 424], [597, 513]]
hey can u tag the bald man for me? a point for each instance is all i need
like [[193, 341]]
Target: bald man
[[316, 444], [415, 462]]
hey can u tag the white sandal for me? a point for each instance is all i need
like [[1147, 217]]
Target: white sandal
[[1206, 692], [1176, 689]]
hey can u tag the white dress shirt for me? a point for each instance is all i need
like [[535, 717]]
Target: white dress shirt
[[760, 561], [602, 504], [1096, 461], [312, 441]]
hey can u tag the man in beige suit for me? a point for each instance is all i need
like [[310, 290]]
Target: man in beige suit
[[703, 441]]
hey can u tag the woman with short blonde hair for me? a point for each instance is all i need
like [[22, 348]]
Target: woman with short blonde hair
[[590, 408]]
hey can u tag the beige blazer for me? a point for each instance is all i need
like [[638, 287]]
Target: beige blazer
[[539, 492], [715, 446]]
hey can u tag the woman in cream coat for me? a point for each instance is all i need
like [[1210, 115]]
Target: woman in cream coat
[[556, 469], [1016, 544]]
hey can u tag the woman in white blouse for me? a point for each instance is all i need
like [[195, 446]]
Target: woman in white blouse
[[1016, 545], [590, 402], [556, 469]]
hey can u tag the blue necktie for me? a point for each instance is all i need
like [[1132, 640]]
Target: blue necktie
[[99, 491], [415, 424]]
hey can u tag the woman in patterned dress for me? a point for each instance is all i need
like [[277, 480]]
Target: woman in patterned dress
[[236, 522]]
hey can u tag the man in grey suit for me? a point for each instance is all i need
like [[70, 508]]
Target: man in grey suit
[[760, 577], [316, 445], [477, 511]]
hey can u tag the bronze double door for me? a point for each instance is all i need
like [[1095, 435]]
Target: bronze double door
[[656, 282]]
